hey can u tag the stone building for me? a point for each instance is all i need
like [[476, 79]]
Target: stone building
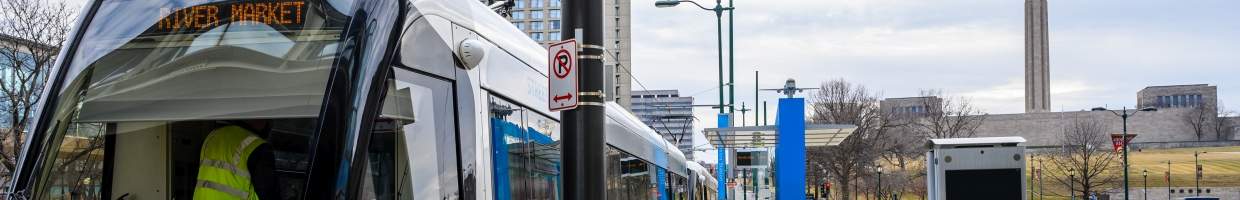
[[1166, 127], [1178, 96], [910, 104]]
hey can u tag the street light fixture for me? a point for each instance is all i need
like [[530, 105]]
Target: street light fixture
[[1124, 114]]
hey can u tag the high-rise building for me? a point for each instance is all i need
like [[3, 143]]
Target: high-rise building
[[1037, 58], [616, 39], [542, 20], [669, 114]]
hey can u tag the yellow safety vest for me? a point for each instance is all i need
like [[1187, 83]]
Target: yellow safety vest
[[223, 173]]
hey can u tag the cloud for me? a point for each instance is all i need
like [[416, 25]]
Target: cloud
[[1010, 97]]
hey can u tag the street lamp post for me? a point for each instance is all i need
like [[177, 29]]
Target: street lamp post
[[879, 188], [1145, 183], [1198, 169], [1071, 183], [1124, 116], [718, 9]]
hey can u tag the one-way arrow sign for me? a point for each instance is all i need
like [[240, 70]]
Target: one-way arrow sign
[[562, 77]]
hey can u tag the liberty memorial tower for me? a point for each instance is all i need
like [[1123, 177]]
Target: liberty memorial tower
[[1037, 58]]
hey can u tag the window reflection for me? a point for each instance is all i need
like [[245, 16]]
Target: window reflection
[[628, 177], [526, 152]]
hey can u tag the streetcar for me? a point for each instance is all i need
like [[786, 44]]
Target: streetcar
[[377, 99]]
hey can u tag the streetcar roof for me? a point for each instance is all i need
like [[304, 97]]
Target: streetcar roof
[[477, 17]]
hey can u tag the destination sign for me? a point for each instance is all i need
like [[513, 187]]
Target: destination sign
[[287, 14]]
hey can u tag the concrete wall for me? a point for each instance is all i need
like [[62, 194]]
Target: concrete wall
[[1138, 192], [1046, 129]]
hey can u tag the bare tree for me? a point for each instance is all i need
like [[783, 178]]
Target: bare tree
[[1086, 161], [935, 116], [1199, 118], [947, 117], [1222, 124], [841, 102], [31, 32]]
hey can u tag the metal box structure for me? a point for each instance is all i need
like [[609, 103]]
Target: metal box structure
[[976, 168]]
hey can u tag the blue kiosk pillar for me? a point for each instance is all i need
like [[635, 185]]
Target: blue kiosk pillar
[[790, 149]]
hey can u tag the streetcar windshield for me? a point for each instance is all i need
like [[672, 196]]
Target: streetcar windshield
[[151, 80], [199, 59]]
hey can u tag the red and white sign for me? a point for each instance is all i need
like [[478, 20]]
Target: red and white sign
[[1119, 143], [562, 77]]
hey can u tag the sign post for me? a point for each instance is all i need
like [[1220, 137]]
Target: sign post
[[562, 79], [583, 141]]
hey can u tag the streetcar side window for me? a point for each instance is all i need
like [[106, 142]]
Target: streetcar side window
[[525, 152], [412, 152], [629, 177]]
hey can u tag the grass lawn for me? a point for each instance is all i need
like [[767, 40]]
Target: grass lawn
[[1220, 166]]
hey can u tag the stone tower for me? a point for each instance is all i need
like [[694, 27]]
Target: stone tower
[[1037, 58]]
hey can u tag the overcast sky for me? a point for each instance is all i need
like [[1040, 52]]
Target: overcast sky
[[1102, 51]]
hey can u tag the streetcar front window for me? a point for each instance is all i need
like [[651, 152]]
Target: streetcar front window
[[154, 85]]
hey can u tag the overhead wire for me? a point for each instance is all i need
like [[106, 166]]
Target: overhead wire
[[643, 86]]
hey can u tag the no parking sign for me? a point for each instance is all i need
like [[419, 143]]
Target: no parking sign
[[562, 75]]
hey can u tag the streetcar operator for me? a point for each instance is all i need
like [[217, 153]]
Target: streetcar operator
[[237, 163]]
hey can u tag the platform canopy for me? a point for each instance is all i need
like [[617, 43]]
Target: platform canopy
[[765, 136]]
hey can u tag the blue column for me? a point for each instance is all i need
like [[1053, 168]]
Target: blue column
[[721, 169], [790, 149]]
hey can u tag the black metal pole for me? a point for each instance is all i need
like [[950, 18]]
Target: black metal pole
[[719, 43], [764, 114], [1071, 188], [754, 180], [1124, 143], [879, 188], [583, 139], [1197, 169], [731, 63], [744, 176], [756, 109]]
